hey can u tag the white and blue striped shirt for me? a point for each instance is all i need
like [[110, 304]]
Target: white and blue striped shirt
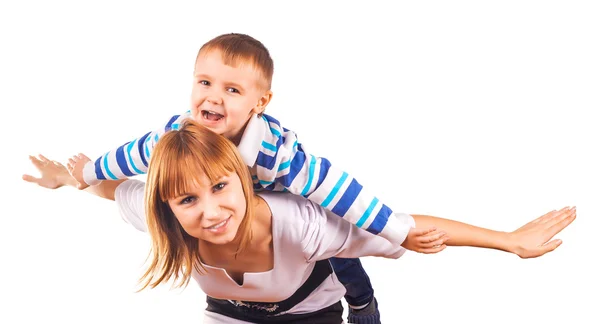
[[278, 163]]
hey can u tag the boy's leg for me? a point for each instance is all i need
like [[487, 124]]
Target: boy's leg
[[359, 292]]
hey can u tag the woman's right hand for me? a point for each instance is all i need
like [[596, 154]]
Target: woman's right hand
[[53, 174]]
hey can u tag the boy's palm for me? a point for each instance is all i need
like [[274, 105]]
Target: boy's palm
[[427, 241], [75, 167]]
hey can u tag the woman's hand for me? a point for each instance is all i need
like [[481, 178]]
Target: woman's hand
[[53, 174]]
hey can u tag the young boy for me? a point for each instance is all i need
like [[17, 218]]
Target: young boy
[[232, 82]]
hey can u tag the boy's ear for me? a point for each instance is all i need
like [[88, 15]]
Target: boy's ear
[[263, 102]]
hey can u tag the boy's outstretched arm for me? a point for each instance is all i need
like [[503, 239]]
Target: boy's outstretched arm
[[283, 164], [127, 160]]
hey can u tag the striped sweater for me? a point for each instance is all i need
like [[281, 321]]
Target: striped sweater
[[277, 162]]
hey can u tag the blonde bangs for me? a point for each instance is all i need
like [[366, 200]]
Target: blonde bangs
[[179, 169]]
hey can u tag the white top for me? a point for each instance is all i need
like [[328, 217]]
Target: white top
[[303, 233]]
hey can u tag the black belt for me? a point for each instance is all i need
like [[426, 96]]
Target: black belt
[[269, 312]]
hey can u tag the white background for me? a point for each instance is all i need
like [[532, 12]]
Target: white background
[[476, 111]]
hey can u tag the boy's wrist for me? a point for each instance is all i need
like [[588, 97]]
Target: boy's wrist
[[87, 174]]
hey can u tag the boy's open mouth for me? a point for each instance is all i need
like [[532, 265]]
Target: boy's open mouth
[[211, 115]]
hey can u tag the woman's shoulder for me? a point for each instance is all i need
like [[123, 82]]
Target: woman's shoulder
[[293, 213]]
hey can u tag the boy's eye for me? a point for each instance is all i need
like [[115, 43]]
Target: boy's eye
[[233, 90], [219, 186], [204, 82]]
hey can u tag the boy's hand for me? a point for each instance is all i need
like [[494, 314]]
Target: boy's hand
[[53, 174], [75, 167], [425, 240]]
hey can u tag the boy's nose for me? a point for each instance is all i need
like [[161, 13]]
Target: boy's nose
[[214, 98]]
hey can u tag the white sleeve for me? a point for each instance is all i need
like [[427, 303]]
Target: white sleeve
[[129, 197], [327, 235]]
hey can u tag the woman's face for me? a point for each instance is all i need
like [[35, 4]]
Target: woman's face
[[212, 212]]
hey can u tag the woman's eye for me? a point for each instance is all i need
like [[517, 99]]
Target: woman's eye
[[219, 186], [204, 82], [187, 200]]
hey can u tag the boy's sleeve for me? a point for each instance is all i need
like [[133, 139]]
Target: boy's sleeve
[[129, 159], [325, 235], [284, 165]]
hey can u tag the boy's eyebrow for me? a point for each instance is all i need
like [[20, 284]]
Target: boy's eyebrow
[[234, 85], [201, 75]]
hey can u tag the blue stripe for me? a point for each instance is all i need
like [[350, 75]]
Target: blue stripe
[[122, 162], [311, 172], [295, 168], [347, 199], [380, 220], [335, 190], [98, 169], [171, 121], [325, 165], [283, 165], [141, 142], [146, 150], [269, 146], [265, 161], [270, 187], [262, 182], [110, 175], [275, 132], [129, 148], [270, 119], [367, 213]]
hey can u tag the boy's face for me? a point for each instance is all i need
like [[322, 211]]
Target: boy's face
[[224, 97]]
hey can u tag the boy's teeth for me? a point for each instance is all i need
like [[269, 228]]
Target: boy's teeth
[[211, 115]]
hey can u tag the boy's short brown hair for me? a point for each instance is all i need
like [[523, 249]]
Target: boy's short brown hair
[[240, 48]]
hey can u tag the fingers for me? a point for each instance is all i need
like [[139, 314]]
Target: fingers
[[83, 157], [36, 162], [421, 232], [431, 237], [31, 179], [72, 161], [558, 214], [550, 246], [433, 249], [43, 158], [548, 216], [562, 222], [435, 243]]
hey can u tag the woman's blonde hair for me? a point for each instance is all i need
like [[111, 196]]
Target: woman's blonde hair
[[178, 161]]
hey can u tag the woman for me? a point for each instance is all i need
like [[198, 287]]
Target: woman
[[261, 257]]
